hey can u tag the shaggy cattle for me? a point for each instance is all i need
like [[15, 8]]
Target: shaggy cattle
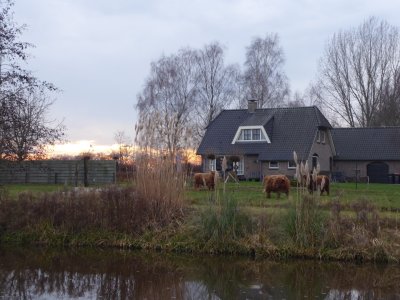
[[276, 183], [204, 179], [321, 184]]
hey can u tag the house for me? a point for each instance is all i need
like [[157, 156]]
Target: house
[[259, 142]]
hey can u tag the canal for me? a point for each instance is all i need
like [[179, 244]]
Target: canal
[[120, 274]]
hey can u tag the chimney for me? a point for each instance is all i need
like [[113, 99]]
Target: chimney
[[252, 105]]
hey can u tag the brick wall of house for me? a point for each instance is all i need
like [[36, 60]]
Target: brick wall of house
[[283, 169], [347, 168], [324, 151]]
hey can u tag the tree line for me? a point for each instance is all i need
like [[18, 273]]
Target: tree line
[[357, 85], [187, 90]]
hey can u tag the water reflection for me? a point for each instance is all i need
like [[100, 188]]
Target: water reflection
[[94, 274]]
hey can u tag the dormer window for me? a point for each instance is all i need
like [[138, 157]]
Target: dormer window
[[256, 134], [246, 135], [251, 134]]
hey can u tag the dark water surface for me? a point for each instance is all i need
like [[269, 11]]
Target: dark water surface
[[117, 274]]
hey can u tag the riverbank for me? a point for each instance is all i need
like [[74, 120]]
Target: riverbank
[[306, 227]]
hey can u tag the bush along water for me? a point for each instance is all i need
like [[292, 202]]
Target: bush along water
[[155, 202], [305, 221], [313, 232], [223, 223]]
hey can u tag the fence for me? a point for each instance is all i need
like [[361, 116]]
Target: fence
[[71, 172]]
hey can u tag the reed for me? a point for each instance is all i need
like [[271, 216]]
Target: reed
[[155, 202], [305, 224], [224, 221], [160, 184]]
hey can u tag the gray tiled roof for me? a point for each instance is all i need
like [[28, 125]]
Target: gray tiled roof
[[259, 117], [292, 129], [378, 143]]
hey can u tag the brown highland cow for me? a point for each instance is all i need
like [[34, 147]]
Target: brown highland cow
[[276, 183], [321, 184], [204, 179]]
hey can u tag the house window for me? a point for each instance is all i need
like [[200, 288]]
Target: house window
[[237, 166], [251, 133], [256, 134], [291, 164], [240, 167], [247, 134], [274, 165], [314, 161], [321, 136], [212, 164]]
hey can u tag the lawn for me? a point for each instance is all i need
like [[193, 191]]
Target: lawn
[[15, 189], [386, 197]]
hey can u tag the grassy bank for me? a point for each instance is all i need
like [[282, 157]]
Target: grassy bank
[[351, 224]]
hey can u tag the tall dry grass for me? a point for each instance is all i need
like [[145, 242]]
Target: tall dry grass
[[153, 202], [161, 184], [305, 221]]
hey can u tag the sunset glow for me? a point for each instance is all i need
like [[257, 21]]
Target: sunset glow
[[89, 146], [78, 147]]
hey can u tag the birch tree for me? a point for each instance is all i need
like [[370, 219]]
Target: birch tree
[[166, 102], [216, 86], [264, 79]]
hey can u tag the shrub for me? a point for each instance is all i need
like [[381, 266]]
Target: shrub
[[224, 221], [305, 223], [155, 201], [161, 186]]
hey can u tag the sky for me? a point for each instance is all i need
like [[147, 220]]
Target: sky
[[98, 52]]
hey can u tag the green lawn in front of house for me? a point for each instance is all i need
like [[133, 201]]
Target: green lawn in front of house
[[250, 193]]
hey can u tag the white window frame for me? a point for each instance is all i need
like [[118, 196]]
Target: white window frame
[[259, 134], [273, 168], [244, 134], [262, 133], [240, 170], [321, 136], [288, 164], [212, 164]]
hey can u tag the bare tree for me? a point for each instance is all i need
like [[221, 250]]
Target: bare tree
[[216, 86], [264, 79], [26, 128], [356, 69], [389, 110], [297, 100], [24, 103], [124, 146], [166, 103]]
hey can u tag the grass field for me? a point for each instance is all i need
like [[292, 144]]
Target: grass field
[[386, 197], [15, 189]]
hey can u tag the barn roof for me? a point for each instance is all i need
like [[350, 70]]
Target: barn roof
[[289, 129], [377, 143]]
